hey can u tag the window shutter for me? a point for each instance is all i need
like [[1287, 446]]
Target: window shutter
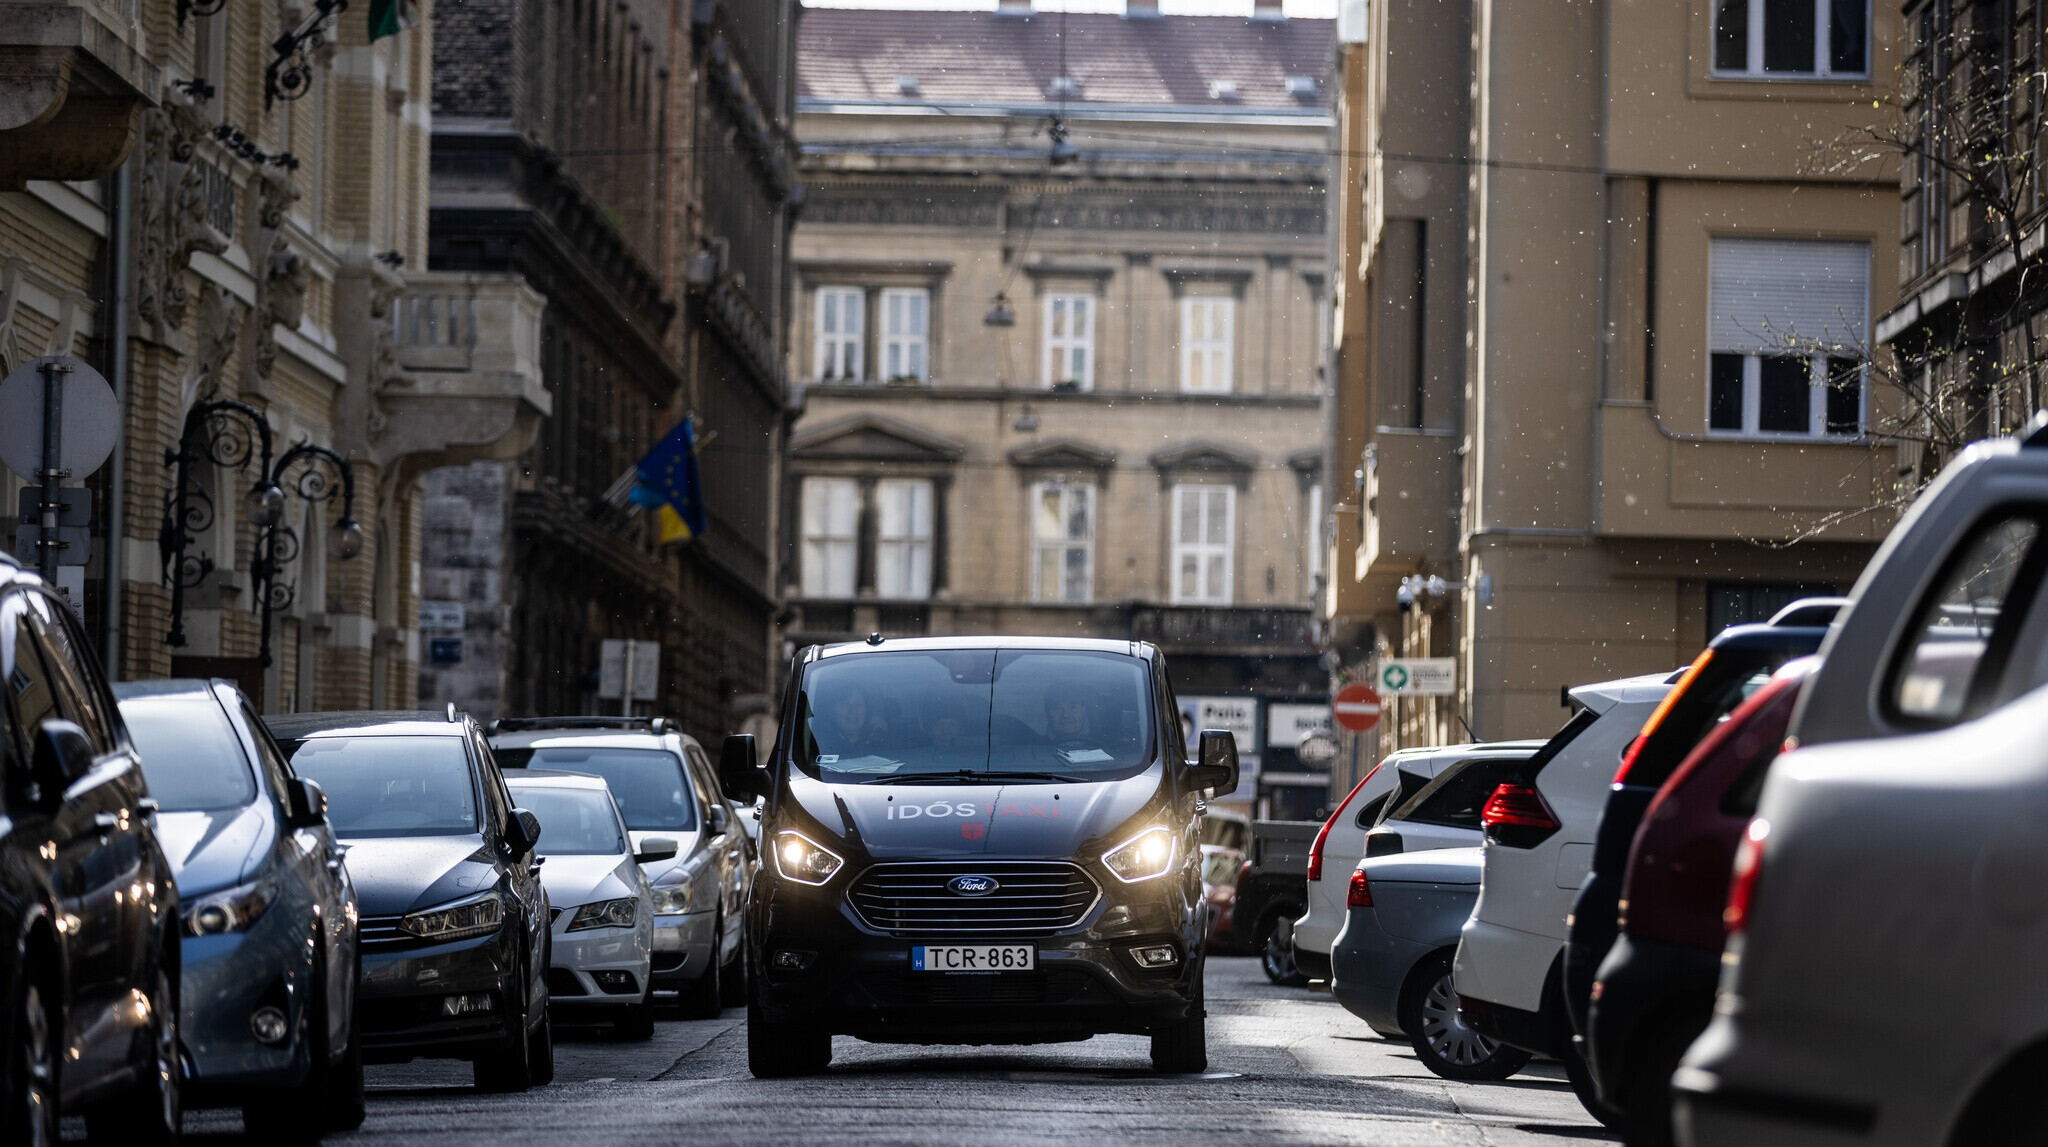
[[1777, 296]]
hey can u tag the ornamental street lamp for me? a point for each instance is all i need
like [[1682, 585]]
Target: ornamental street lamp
[[235, 435]]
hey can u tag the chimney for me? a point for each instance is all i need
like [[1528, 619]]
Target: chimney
[[1141, 9], [1267, 11], [1013, 9]]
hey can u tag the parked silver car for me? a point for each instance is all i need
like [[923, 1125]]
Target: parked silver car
[[1391, 965], [268, 956]]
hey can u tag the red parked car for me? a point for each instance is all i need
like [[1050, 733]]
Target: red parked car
[[1655, 990]]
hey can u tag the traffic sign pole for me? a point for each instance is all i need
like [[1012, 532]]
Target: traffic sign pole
[[51, 473]]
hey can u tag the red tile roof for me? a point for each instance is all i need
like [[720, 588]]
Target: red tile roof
[[857, 55]]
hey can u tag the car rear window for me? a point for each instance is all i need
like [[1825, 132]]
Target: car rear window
[[190, 755], [647, 783], [1456, 796]]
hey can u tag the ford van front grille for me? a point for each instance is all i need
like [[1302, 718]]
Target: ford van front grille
[[951, 899]]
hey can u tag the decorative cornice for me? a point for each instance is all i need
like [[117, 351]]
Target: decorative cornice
[[874, 437], [1063, 454]]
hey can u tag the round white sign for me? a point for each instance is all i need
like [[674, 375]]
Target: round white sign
[[87, 427]]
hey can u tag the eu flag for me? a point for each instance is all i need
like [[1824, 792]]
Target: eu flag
[[668, 485]]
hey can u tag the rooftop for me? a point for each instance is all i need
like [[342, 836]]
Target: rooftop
[[1215, 64]]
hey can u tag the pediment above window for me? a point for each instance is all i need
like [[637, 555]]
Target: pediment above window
[[1063, 454], [1198, 460], [873, 438]]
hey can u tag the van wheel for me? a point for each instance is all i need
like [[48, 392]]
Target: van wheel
[[1429, 1012], [1181, 1047], [778, 1051], [1276, 946]]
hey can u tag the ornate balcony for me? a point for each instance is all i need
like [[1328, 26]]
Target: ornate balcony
[[74, 79]]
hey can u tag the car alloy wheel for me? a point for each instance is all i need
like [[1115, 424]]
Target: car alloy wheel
[[1276, 953], [1447, 1035], [38, 1065]]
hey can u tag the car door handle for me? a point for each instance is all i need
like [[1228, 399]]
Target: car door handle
[[105, 822], [148, 806]]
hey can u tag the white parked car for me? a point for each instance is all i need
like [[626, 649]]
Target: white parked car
[[1340, 845], [602, 933], [1539, 845], [1881, 982]]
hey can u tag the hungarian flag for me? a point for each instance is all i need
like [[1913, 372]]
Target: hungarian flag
[[390, 17]]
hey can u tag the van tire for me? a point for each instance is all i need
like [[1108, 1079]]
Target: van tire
[[1181, 1047], [782, 1051]]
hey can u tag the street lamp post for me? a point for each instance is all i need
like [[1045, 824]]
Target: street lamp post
[[235, 435]]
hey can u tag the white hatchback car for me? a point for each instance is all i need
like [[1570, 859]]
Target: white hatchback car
[[1539, 846], [1340, 845], [602, 942]]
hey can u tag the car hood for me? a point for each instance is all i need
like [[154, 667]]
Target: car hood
[[686, 844], [574, 880], [214, 849], [887, 822], [394, 875]]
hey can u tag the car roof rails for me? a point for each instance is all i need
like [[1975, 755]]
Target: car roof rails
[[654, 725]]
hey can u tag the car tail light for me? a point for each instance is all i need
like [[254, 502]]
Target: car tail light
[[1749, 865], [1657, 715], [1315, 851], [1517, 806], [1359, 895]]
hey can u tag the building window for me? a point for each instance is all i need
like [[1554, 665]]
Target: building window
[[831, 523], [1779, 38], [1205, 344], [841, 323], [906, 331], [1070, 342], [1749, 602], [1201, 544], [1787, 337], [1062, 542], [903, 541]]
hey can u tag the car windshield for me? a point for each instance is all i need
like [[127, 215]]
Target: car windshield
[[1022, 714], [647, 783], [573, 822], [190, 755], [392, 786]]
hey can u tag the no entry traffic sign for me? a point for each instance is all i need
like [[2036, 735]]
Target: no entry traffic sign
[[1355, 707]]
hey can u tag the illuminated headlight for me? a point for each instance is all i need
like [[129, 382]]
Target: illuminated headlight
[[605, 914], [1145, 856], [799, 858], [473, 917], [232, 910], [673, 899]]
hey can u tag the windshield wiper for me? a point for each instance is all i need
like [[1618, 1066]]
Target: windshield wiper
[[967, 777]]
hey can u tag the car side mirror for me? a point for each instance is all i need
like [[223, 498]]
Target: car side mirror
[[718, 818], [655, 848], [739, 767], [523, 832], [1215, 769], [305, 804], [63, 754]]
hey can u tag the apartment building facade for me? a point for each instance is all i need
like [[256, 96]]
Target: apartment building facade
[[1065, 381], [1606, 378], [227, 204]]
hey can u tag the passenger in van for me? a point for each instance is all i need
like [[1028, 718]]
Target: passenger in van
[[849, 731]]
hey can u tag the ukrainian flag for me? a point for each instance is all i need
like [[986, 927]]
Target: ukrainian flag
[[667, 484]]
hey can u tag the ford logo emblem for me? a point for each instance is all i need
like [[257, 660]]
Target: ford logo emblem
[[972, 885]]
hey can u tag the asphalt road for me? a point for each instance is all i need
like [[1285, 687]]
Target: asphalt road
[[1287, 1066]]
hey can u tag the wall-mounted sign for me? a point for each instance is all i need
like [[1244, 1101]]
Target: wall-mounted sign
[[1419, 676], [1238, 715], [441, 615]]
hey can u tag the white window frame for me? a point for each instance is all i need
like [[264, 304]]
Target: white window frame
[[1061, 543], [1207, 348], [1056, 357], [1755, 335], [904, 538], [842, 347], [1208, 590], [1823, 68], [829, 563], [906, 322], [1816, 400]]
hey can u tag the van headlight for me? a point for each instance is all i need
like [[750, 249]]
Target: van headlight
[[1146, 856], [473, 917], [618, 913], [799, 858], [229, 910]]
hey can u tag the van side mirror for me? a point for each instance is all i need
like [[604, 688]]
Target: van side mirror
[[522, 832], [739, 767], [655, 848], [305, 804], [1215, 768], [63, 753]]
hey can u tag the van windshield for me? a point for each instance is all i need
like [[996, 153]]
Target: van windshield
[[967, 713]]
